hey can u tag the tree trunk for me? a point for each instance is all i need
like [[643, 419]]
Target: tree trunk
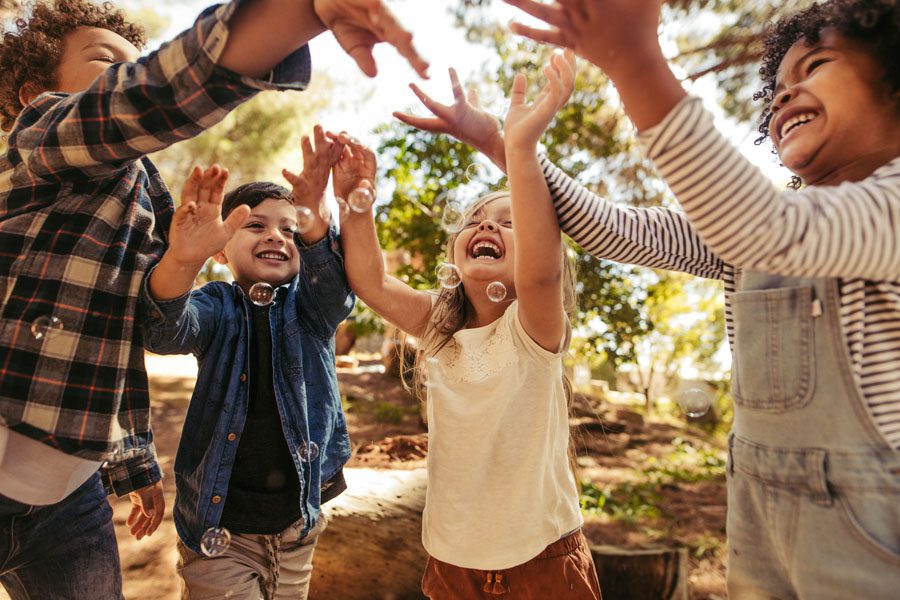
[[654, 574], [372, 547]]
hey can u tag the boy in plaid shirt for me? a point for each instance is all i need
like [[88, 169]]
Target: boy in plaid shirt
[[83, 215]]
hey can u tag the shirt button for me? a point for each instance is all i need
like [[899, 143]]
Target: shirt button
[[216, 499], [231, 437], [243, 377]]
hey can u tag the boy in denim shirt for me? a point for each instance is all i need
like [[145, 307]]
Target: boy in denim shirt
[[83, 214], [264, 439]]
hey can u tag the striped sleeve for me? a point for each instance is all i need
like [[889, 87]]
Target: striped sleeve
[[660, 238], [849, 230]]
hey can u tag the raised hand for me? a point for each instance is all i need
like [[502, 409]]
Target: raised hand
[[198, 231], [465, 120], [356, 167], [358, 25], [525, 123], [308, 188]]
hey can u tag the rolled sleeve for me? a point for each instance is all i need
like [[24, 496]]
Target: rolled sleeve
[[139, 469], [323, 282]]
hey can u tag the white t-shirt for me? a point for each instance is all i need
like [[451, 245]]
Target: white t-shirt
[[499, 485]]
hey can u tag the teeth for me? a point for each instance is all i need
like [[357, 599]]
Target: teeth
[[490, 246], [795, 121], [275, 255]]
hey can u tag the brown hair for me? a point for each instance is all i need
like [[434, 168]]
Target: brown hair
[[31, 53]]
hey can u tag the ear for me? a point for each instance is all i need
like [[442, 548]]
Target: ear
[[220, 257], [28, 92]]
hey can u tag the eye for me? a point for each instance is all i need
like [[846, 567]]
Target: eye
[[289, 230], [815, 64], [471, 224], [106, 59], [254, 226], [507, 224]]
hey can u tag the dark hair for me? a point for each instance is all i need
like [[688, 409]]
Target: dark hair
[[253, 194], [31, 53], [874, 23]]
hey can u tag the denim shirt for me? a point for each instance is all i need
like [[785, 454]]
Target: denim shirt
[[213, 323]]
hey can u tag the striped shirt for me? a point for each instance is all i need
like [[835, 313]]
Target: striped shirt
[[738, 219], [83, 214]]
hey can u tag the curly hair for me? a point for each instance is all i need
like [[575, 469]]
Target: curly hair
[[875, 23], [32, 52]]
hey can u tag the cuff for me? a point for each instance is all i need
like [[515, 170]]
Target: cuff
[[161, 311], [325, 250], [653, 141], [137, 471]]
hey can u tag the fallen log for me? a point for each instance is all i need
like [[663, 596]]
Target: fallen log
[[642, 574]]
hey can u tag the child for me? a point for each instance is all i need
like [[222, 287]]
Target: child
[[810, 276], [264, 438], [83, 214], [501, 513]]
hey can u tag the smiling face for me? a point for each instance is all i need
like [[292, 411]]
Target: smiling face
[[484, 251], [263, 250], [833, 118], [87, 53]]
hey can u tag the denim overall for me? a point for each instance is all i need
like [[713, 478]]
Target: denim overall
[[813, 489]]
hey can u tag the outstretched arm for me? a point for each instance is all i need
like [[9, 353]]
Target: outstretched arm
[[395, 301], [538, 268]]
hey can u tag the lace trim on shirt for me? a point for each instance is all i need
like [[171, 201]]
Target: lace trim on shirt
[[477, 364]]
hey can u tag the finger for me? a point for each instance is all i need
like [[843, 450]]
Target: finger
[[159, 509], [520, 83], [306, 149], [218, 188], [455, 85], [552, 14], [441, 110], [191, 185], [473, 98], [236, 219], [361, 53], [292, 178], [134, 515], [390, 30], [544, 36], [423, 123], [319, 136]]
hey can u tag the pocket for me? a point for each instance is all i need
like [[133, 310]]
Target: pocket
[[773, 368], [874, 519]]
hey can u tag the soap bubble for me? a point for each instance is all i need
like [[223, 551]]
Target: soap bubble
[[261, 294], [305, 219], [695, 402], [448, 276], [434, 374], [476, 172], [45, 325], [215, 541], [361, 199], [452, 213], [308, 451], [496, 291]]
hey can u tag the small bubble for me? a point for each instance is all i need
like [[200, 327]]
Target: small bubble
[[261, 294], [476, 172], [695, 402], [308, 451], [44, 326], [452, 213], [325, 212], [448, 276], [305, 219], [360, 199], [343, 207], [434, 374], [496, 291], [215, 541]]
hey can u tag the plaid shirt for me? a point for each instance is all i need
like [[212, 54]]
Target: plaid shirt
[[83, 215]]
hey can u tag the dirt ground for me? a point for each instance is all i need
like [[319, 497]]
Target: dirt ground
[[386, 432]]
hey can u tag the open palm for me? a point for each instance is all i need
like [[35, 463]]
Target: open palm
[[525, 123]]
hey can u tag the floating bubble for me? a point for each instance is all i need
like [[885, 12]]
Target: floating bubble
[[496, 291], [325, 212], [476, 172], [695, 402], [261, 294], [343, 207], [453, 217], [215, 541], [448, 276], [581, 376], [308, 451], [305, 219], [45, 325], [361, 199]]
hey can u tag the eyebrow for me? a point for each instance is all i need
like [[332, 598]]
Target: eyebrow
[[802, 60], [104, 45]]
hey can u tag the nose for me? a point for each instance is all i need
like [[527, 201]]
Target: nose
[[781, 99], [274, 234], [487, 225]]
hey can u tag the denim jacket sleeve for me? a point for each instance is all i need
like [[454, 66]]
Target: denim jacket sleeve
[[183, 325], [325, 298], [137, 108]]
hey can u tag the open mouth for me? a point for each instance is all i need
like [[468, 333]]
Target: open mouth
[[794, 123], [486, 251], [272, 255]]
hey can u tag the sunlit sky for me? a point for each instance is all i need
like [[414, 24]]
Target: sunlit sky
[[359, 104]]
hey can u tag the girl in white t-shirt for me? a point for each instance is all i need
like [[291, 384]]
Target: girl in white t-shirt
[[501, 513]]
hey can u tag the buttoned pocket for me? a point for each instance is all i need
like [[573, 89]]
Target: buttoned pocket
[[774, 367]]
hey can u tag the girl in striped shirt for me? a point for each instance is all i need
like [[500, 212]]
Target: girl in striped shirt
[[811, 274]]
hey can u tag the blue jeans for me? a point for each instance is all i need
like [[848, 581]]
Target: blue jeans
[[64, 551]]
